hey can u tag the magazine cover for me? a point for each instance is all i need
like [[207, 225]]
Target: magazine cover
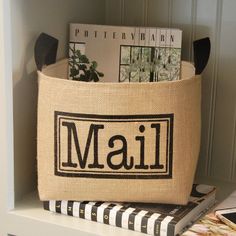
[[124, 54], [210, 225]]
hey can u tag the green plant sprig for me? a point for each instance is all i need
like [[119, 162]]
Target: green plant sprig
[[81, 69]]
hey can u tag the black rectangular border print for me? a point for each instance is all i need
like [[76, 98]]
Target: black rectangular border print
[[167, 174]]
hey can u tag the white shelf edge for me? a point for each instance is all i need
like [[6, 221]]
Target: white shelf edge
[[30, 211], [6, 106]]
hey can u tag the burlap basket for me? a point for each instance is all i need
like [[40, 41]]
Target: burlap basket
[[136, 142]]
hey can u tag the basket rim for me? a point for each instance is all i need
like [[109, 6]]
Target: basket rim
[[43, 75]]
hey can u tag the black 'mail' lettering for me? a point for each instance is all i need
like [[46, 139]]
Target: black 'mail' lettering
[[122, 151], [93, 131], [142, 147], [157, 164], [71, 129]]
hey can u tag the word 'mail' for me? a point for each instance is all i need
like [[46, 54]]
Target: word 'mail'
[[98, 146]]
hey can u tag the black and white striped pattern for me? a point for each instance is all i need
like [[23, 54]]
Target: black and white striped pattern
[[116, 215]]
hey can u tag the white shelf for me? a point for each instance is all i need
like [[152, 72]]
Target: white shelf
[[30, 210]]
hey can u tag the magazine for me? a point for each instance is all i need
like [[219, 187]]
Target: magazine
[[210, 225], [124, 54]]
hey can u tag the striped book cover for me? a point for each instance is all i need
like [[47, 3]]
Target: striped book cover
[[152, 219]]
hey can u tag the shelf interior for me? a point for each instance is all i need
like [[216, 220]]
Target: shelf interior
[[30, 207], [28, 21]]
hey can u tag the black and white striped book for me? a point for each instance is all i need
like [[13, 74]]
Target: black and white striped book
[[152, 219]]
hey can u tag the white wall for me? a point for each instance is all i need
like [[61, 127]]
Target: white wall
[[197, 19], [29, 19]]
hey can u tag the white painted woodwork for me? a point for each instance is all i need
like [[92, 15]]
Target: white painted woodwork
[[6, 111], [200, 18], [206, 25], [223, 148], [28, 20]]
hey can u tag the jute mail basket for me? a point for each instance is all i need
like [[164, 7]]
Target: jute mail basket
[[136, 142]]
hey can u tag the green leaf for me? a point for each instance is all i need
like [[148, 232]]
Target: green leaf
[[96, 78], [82, 67], [73, 72], [81, 63], [77, 53], [73, 57], [83, 78], [88, 75], [100, 74], [94, 65], [84, 59]]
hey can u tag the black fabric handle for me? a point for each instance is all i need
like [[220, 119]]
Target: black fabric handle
[[45, 50], [201, 48]]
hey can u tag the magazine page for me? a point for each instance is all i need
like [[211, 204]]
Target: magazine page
[[124, 54]]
